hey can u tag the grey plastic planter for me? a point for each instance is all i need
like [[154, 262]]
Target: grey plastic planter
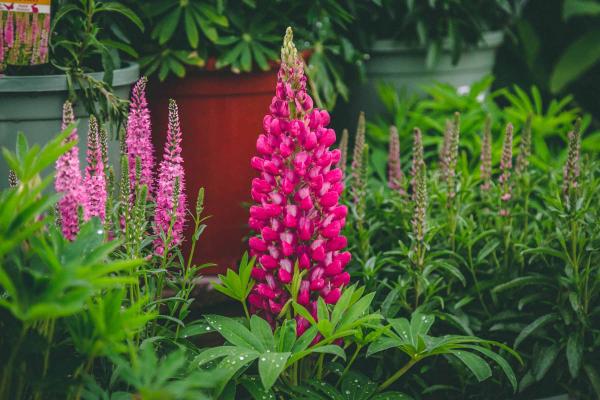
[[33, 105], [404, 67]]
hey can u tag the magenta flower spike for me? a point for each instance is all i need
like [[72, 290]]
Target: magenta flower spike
[[35, 33], [9, 30], [297, 217], [68, 180], [139, 137], [169, 216], [95, 180]]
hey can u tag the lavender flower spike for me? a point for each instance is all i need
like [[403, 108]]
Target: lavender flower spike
[[343, 151], [571, 169], [169, 217]]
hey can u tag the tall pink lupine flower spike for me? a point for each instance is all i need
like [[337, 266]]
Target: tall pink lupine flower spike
[[95, 180], [297, 217], [68, 180], [139, 137], [395, 175], [169, 216], [486, 157], [505, 168], [9, 30]]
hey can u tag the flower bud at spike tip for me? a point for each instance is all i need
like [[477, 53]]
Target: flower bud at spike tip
[[296, 217]]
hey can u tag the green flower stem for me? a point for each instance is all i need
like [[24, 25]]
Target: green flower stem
[[398, 374]]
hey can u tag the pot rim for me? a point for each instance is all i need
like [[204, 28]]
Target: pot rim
[[58, 83], [490, 40]]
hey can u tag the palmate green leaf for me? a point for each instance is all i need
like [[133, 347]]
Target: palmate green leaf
[[270, 366], [214, 354], [254, 386], [474, 363], [166, 27]]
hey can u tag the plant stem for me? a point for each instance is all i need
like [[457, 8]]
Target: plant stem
[[398, 374], [352, 359]]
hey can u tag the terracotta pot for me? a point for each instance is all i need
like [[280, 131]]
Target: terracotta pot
[[221, 117]]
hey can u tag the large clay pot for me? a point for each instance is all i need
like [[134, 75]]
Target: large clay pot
[[221, 117]]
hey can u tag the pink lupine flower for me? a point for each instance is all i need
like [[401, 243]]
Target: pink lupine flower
[[9, 33], [297, 217], [486, 157], [395, 175], [169, 216], [505, 168], [95, 179], [571, 168], [43, 50], [68, 180], [35, 37], [138, 139]]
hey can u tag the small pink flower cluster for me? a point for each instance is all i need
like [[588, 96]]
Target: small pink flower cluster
[[297, 218]]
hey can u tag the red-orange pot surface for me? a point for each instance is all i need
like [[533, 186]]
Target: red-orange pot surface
[[221, 117]]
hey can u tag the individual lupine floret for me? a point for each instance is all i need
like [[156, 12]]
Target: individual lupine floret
[[419, 189], [524, 148], [505, 172], [68, 180], [169, 216], [343, 151], [395, 175], [95, 179], [571, 168], [297, 218], [486, 156], [357, 156], [139, 137]]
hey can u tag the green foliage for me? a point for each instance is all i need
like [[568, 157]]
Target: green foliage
[[527, 280]]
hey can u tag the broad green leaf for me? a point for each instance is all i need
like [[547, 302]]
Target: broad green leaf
[[581, 55], [235, 333], [270, 366], [476, 364], [508, 371], [543, 360], [262, 330]]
